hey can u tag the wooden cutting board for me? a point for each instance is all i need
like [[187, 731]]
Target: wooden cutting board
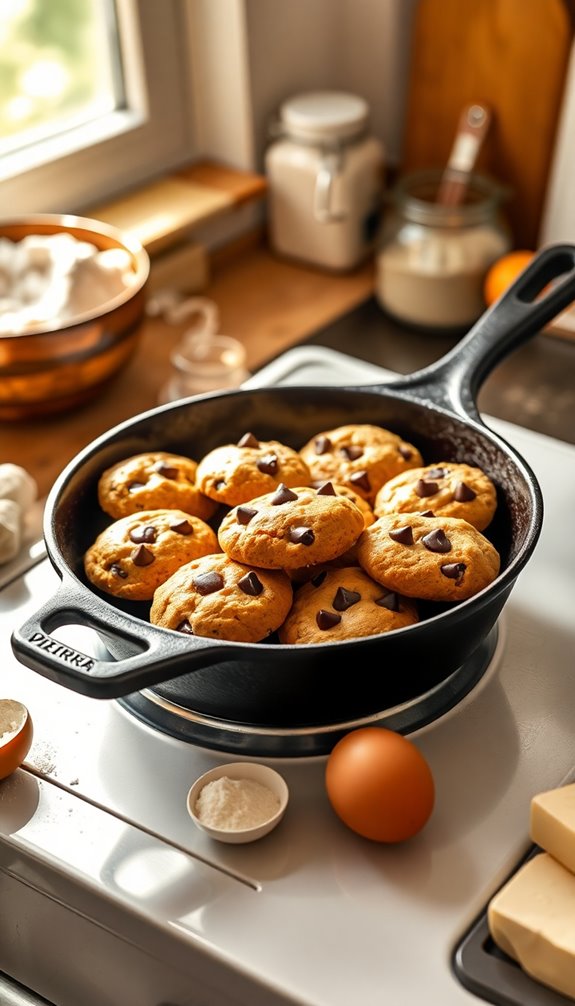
[[511, 55]]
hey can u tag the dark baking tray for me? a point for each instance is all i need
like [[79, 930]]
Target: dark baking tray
[[485, 970]]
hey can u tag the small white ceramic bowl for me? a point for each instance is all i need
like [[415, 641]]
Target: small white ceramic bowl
[[241, 770]]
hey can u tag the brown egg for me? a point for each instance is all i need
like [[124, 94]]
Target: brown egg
[[379, 784]]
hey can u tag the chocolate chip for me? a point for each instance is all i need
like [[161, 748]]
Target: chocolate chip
[[345, 598], [268, 464], [141, 556], [327, 619], [251, 584], [463, 493], [144, 532], [361, 480], [326, 489], [435, 473], [424, 488], [389, 601], [322, 445], [182, 527], [301, 535], [282, 495], [135, 485], [426, 513], [185, 627], [454, 571], [208, 583], [405, 452], [165, 470], [351, 453], [248, 440], [436, 541], [244, 514], [318, 579], [118, 571], [403, 535]]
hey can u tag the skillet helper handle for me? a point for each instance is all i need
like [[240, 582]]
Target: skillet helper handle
[[154, 655], [521, 312]]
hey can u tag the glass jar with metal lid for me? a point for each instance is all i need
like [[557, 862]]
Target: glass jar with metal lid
[[326, 177], [432, 258]]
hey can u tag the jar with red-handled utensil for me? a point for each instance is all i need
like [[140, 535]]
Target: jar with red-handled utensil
[[433, 256]]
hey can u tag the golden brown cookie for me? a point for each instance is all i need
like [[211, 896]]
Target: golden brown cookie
[[366, 509], [432, 558], [344, 604], [291, 527], [446, 488], [348, 558], [217, 597], [235, 473], [156, 480], [360, 456], [137, 553]]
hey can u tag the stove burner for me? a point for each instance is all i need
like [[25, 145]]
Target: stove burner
[[163, 714]]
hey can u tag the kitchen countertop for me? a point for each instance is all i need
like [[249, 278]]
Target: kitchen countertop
[[534, 387], [272, 305]]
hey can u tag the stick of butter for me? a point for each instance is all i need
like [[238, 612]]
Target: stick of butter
[[532, 919], [552, 823]]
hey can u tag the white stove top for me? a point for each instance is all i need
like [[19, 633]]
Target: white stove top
[[111, 897]]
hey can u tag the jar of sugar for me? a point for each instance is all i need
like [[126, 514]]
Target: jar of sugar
[[432, 259], [326, 178]]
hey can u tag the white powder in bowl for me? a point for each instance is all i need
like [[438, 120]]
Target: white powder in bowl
[[235, 804], [46, 279]]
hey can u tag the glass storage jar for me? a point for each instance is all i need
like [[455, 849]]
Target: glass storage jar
[[432, 259], [325, 181], [204, 359]]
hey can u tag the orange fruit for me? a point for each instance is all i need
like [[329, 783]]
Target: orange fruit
[[503, 272]]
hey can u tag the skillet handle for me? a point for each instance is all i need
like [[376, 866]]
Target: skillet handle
[[455, 379], [153, 655]]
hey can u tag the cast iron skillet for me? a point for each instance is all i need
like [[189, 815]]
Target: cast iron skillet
[[269, 684]]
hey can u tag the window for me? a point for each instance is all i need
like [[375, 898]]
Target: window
[[95, 97], [61, 66]]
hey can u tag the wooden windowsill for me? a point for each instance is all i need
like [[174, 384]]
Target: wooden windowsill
[[164, 212]]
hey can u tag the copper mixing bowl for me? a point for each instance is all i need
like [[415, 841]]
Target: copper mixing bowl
[[65, 363]]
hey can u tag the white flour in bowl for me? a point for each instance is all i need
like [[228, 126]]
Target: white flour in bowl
[[235, 804], [51, 278]]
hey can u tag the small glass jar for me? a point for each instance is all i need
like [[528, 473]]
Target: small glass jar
[[432, 259], [203, 363], [203, 360]]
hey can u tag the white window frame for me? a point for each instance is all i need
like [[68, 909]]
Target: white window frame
[[101, 160]]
